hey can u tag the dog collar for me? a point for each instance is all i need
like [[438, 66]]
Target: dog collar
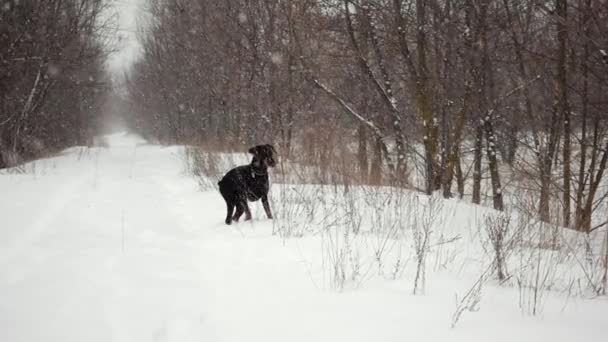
[[253, 173]]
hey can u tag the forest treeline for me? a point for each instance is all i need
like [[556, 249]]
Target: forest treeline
[[461, 92], [52, 77]]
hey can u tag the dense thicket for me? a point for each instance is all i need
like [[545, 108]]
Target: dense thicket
[[51, 75], [427, 93]]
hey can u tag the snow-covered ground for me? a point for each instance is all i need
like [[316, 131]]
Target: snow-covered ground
[[119, 244]]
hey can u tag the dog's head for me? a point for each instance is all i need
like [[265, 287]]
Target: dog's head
[[263, 155]]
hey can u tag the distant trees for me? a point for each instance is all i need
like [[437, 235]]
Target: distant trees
[[421, 93], [51, 75]]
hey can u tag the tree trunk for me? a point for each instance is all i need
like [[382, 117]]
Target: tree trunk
[[493, 161], [582, 178], [375, 172], [562, 37], [477, 165], [605, 277], [418, 73], [459, 178], [546, 168], [362, 152], [429, 122]]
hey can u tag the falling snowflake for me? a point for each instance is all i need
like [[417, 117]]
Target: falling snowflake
[[53, 70], [276, 58]]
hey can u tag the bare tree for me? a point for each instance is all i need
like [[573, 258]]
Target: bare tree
[[49, 51], [501, 96]]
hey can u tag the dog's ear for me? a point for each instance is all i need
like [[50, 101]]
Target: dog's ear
[[254, 150]]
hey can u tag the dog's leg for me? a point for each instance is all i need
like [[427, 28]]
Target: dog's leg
[[247, 211], [230, 207], [266, 206], [239, 212]]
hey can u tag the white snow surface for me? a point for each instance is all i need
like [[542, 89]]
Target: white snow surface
[[119, 244]]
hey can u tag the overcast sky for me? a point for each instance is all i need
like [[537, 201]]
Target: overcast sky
[[127, 12]]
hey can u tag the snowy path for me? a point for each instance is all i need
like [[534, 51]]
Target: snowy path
[[119, 245], [106, 247]]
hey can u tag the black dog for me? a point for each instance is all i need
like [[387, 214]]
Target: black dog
[[248, 182]]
